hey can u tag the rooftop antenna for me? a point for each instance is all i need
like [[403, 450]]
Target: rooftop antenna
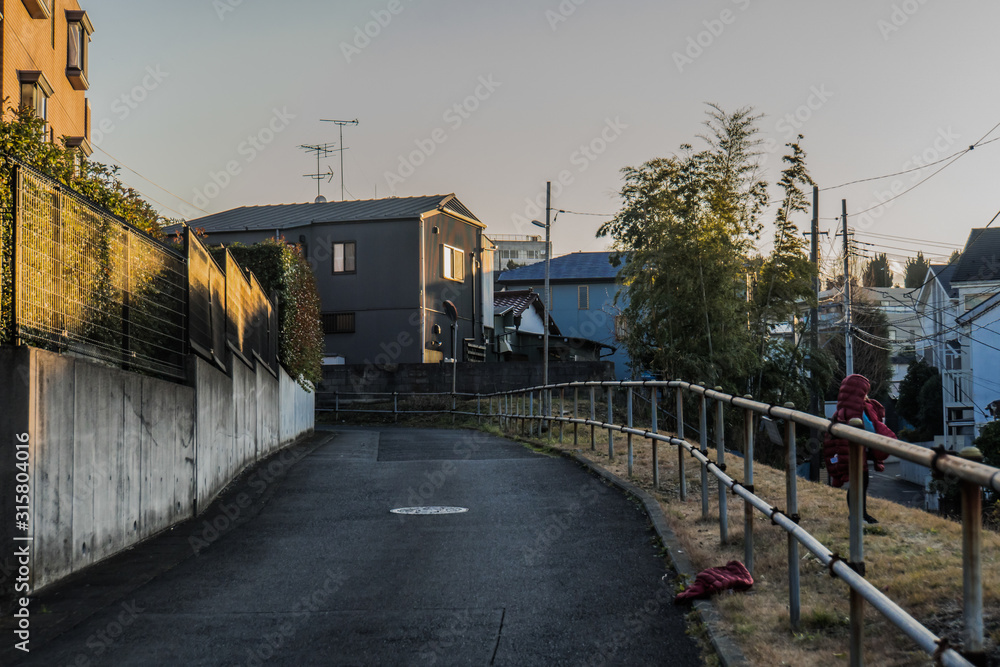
[[321, 151], [341, 123]]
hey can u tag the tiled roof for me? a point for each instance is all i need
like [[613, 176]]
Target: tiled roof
[[575, 266], [980, 258], [286, 216], [513, 300]]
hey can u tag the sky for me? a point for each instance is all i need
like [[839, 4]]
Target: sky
[[205, 104]]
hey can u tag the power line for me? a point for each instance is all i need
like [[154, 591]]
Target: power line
[[153, 183]]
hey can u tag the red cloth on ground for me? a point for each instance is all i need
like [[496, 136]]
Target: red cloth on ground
[[851, 403], [715, 579]]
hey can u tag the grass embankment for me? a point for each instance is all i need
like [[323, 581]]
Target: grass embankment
[[913, 556]]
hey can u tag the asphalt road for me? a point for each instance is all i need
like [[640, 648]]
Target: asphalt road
[[301, 562]]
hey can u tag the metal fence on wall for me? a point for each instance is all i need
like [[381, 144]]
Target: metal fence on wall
[[87, 282]]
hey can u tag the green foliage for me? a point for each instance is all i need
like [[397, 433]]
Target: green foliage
[[23, 137], [284, 273], [877, 272], [684, 233], [988, 443], [915, 271], [919, 401]]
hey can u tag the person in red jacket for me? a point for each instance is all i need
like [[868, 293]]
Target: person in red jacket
[[853, 403]]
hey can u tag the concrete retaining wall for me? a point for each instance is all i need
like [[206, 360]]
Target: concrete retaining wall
[[116, 457]]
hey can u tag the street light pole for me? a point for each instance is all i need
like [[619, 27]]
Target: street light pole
[[547, 401]]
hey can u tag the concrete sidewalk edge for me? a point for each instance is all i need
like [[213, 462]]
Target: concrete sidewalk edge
[[729, 653]]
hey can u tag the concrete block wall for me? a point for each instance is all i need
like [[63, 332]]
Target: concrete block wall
[[117, 457]]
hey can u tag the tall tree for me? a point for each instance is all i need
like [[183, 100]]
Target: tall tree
[[783, 287], [915, 271], [877, 272], [684, 235]]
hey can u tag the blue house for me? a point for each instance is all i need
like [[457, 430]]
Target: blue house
[[584, 286]]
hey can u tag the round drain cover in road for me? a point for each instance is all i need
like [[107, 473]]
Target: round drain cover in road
[[433, 509]]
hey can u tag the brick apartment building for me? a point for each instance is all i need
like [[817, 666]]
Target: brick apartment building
[[43, 65]]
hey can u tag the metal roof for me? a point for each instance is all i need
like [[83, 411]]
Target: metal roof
[[980, 258], [287, 216], [575, 266]]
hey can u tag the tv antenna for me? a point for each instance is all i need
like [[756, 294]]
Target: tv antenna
[[341, 123], [321, 151]]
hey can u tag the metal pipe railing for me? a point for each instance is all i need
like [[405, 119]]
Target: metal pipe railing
[[973, 475]]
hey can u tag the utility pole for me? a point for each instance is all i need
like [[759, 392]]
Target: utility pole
[[341, 123], [848, 336], [814, 461]]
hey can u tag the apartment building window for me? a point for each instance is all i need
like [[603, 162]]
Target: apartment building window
[[338, 323], [78, 30], [453, 261], [583, 297], [343, 255], [35, 92], [37, 9]]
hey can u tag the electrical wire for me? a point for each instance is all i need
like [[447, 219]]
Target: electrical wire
[[154, 183]]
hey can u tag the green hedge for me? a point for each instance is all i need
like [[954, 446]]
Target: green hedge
[[284, 273]]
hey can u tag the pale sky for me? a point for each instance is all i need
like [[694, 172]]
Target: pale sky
[[210, 100]]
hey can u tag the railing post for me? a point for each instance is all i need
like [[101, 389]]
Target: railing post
[[681, 474], [562, 411], [479, 412], [792, 500], [336, 405], [531, 414], [748, 434], [611, 420], [628, 403], [395, 406], [576, 408], [593, 418], [720, 455], [856, 469], [972, 565], [703, 442], [655, 443]]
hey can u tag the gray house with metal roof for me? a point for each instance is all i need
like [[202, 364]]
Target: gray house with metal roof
[[384, 268]]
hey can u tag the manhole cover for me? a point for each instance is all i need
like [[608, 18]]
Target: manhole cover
[[433, 509]]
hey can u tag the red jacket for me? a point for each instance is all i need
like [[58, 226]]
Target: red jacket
[[852, 401]]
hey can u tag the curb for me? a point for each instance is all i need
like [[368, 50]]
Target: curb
[[729, 653]]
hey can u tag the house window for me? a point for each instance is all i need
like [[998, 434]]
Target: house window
[[453, 267], [583, 297], [35, 92], [343, 257], [78, 30], [338, 323], [621, 328]]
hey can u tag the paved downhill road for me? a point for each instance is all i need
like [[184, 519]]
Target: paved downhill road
[[549, 566]]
